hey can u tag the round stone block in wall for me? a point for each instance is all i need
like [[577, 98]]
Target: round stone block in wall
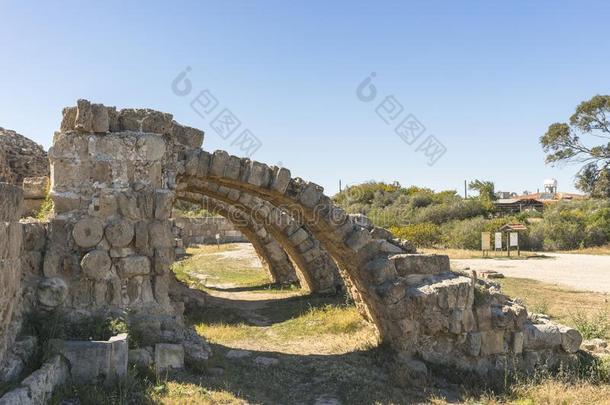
[[120, 233], [96, 264], [88, 232], [52, 292]]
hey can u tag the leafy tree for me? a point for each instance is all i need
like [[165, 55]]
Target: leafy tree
[[486, 189], [563, 143]]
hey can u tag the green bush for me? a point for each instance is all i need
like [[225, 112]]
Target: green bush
[[421, 235], [592, 326]]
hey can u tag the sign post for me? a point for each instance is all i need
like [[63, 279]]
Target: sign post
[[498, 241], [514, 241], [485, 243]]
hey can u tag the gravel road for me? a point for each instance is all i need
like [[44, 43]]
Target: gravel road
[[580, 272]]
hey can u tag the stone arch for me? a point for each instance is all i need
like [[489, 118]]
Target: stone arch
[[125, 167], [361, 258], [273, 257], [317, 270]]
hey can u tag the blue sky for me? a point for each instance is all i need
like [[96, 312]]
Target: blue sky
[[485, 78]]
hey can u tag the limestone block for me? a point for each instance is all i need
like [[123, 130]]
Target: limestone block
[[52, 292], [42, 382], [483, 316], [473, 343], [232, 168], [358, 238], [192, 162], [146, 203], [142, 238], [492, 342], [93, 362], [150, 147], [133, 266], [120, 232], [164, 258], [204, 164], [259, 174], [390, 248], [96, 265], [84, 116], [31, 263], [10, 203], [311, 195], [381, 233], [164, 201], [219, 162], [381, 270], [121, 252], [15, 233], [88, 232], [141, 357], [421, 264], [108, 205], [34, 236], [550, 335], [168, 357], [100, 121], [128, 205], [35, 187], [66, 202], [161, 289], [281, 179], [68, 119], [52, 264], [299, 236], [188, 136], [160, 234], [361, 220], [517, 342]]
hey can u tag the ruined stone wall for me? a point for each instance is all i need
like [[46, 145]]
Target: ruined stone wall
[[10, 266], [109, 245], [195, 231], [20, 157], [112, 179]]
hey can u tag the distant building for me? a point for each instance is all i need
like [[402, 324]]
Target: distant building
[[535, 201], [505, 194]]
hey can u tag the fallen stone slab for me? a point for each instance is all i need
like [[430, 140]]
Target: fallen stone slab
[[237, 354], [94, 362], [38, 387], [168, 357]]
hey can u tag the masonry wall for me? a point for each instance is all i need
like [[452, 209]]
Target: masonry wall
[[20, 157], [10, 265], [195, 231]]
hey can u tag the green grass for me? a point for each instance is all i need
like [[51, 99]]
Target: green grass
[[207, 266]]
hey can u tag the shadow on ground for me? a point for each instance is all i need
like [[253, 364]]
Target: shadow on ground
[[360, 377]]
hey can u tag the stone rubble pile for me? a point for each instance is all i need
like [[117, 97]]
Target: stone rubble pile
[[20, 158]]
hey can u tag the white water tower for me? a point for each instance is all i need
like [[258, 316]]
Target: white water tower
[[550, 186]]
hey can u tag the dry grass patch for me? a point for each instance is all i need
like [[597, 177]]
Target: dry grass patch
[[570, 307], [597, 250]]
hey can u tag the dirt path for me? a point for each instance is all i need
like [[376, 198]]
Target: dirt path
[[580, 272]]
